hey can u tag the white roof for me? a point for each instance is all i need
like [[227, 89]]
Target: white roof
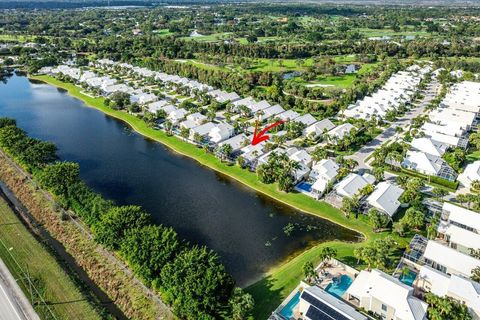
[[320, 185], [154, 106], [423, 162], [429, 146], [467, 290], [177, 114], [236, 142], [288, 115], [273, 110], [462, 216], [221, 132], [446, 139], [438, 281], [340, 131], [326, 169], [189, 124], [461, 236], [261, 105], [301, 156], [349, 186], [319, 126], [247, 102], [168, 108], [203, 129], [385, 197], [447, 115], [390, 291], [307, 119], [458, 287], [470, 174], [456, 262], [197, 117], [451, 129]]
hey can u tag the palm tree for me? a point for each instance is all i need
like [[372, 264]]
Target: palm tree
[[475, 187], [168, 127], [224, 151], [328, 253], [394, 157]]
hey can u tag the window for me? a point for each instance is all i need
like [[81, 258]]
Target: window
[[384, 307]]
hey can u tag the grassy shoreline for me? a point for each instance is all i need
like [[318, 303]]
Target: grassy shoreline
[[280, 280]]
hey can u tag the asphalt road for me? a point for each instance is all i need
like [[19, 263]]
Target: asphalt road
[[361, 155], [13, 303]]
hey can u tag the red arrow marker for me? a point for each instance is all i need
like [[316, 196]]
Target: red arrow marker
[[261, 136]]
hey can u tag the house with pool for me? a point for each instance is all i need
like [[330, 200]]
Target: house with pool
[[325, 299], [386, 297], [444, 266]]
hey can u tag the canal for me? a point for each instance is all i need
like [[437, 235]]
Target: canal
[[245, 228]]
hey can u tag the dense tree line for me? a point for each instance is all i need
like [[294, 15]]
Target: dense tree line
[[189, 278]]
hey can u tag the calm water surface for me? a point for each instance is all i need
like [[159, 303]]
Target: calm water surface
[[244, 227]]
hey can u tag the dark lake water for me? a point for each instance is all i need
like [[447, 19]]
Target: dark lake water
[[244, 227]]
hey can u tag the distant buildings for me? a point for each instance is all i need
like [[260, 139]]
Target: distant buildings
[[399, 89]]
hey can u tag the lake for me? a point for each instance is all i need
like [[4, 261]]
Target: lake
[[244, 227]]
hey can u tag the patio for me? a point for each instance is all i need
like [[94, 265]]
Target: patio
[[335, 277]]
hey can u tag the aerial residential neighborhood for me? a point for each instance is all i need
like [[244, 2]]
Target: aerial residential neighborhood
[[240, 160]]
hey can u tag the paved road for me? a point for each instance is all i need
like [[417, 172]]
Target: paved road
[[13, 303], [361, 155]]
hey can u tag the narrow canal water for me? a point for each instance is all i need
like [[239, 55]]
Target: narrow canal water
[[245, 228]]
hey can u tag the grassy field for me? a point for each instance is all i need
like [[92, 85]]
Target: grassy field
[[276, 65], [22, 253], [343, 81], [389, 32], [163, 32], [279, 281], [19, 38]]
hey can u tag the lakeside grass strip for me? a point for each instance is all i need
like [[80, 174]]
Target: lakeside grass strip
[[281, 279], [22, 254], [296, 200]]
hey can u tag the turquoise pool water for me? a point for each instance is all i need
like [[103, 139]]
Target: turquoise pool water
[[408, 278], [339, 285], [287, 311]]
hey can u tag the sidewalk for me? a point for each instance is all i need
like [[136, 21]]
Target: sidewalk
[[13, 303]]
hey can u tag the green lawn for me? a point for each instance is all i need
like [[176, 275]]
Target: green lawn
[[280, 280], [474, 156], [343, 81], [214, 37], [163, 32], [22, 253], [389, 32], [19, 38]]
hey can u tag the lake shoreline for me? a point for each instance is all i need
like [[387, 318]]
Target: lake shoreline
[[123, 116], [287, 272]]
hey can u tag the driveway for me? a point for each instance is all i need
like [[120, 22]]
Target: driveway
[[417, 109]]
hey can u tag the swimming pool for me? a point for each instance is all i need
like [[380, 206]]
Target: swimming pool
[[408, 278], [339, 285], [304, 186], [287, 311]]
